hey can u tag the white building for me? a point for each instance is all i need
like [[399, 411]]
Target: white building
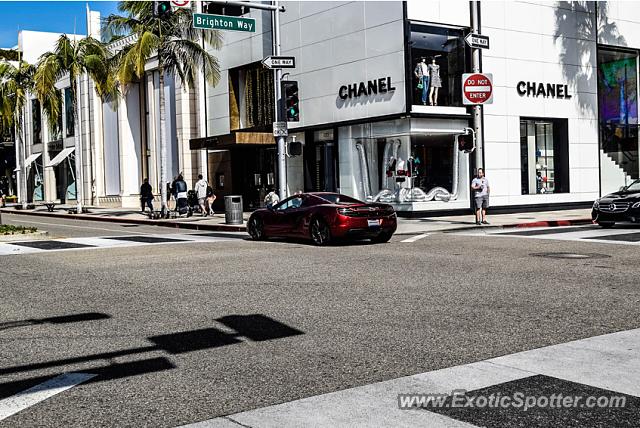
[[562, 128], [565, 144]]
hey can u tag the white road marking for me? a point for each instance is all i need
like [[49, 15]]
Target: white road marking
[[415, 238], [32, 396], [98, 242], [78, 227]]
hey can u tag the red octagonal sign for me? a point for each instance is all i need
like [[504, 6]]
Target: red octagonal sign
[[477, 88]]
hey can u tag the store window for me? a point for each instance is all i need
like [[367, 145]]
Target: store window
[[618, 116], [544, 156], [438, 59], [251, 96], [68, 112], [36, 118]]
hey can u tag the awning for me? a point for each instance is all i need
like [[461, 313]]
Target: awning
[[231, 140], [28, 161], [60, 157]]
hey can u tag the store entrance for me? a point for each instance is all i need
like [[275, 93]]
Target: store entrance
[[253, 174], [320, 167], [433, 155]]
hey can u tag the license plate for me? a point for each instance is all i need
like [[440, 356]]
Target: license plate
[[374, 223]]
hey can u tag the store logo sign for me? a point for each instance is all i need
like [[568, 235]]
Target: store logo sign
[[372, 87], [546, 90]]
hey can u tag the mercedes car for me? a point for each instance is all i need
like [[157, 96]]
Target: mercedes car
[[620, 206], [323, 217]]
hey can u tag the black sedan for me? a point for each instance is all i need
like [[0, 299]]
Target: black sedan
[[620, 206]]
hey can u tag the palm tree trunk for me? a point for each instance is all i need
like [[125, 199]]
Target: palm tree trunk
[[163, 145], [78, 145]]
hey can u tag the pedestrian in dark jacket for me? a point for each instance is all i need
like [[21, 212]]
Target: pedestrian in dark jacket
[[146, 195]]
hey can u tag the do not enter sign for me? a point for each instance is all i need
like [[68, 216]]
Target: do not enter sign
[[477, 88]]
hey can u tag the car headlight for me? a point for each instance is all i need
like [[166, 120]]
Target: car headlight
[[636, 205], [596, 204]]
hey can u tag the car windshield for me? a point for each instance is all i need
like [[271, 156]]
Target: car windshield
[[336, 198], [633, 187]]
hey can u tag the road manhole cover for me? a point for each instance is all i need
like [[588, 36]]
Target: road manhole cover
[[571, 255]]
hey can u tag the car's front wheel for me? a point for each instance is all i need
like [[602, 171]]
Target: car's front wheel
[[320, 232], [606, 224], [256, 229]]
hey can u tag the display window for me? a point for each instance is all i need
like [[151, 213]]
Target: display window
[[36, 125], [68, 113], [544, 156], [618, 115], [438, 60]]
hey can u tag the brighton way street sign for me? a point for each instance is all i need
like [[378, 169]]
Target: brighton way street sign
[[205, 21], [477, 88]]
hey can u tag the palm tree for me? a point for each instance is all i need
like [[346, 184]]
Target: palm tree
[[73, 58], [175, 43], [16, 84]]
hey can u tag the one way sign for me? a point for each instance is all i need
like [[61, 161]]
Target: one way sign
[[477, 41], [279, 62]]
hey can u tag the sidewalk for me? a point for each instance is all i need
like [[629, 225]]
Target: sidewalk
[[406, 226]]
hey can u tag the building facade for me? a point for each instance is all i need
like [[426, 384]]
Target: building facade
[[381, 109], [561, 128]]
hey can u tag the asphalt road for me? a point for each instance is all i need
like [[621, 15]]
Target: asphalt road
[[183, 333]]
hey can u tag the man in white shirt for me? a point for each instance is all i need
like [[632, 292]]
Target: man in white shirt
[[201, 192], [480, 186]]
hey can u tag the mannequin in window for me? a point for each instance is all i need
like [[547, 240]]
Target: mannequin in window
[[422, 74], [436, 83]]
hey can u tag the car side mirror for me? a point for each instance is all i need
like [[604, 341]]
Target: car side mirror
[[622, 188], [269, 207]]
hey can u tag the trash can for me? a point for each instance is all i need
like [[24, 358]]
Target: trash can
[[233, 209]]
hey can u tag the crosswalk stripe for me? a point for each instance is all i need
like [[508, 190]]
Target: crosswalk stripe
[[118, 241], [415, 238], [32, 396]]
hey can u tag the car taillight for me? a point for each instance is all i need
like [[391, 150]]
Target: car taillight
[[346, 211]]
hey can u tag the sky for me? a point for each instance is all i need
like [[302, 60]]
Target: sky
[[53, 16]]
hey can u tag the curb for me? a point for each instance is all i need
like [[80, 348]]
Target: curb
[[162, 223], [543, 223], [16, 237]]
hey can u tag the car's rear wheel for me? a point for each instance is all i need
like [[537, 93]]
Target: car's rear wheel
[[256, 229], [320, 232], [382, 237], [606, 224]]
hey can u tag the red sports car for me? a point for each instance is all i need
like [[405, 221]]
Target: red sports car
[[323, 217]]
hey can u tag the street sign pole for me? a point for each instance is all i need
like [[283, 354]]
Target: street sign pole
[[477, 109], [280, 140]]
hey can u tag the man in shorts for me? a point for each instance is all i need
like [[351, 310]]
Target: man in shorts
[[480, 186], [201, 192]]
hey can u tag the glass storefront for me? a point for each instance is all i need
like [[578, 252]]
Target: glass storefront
[[437, 64], [618, 117], [544, 158], [417, 166]]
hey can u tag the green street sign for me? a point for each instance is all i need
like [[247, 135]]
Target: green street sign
[[205, 21]]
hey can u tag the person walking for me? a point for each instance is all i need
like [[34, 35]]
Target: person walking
[[480, 186], [211, 197], [201, 193], [146, 195]]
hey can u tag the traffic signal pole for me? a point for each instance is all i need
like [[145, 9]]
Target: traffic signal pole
[[477, 109], [280, 141]]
